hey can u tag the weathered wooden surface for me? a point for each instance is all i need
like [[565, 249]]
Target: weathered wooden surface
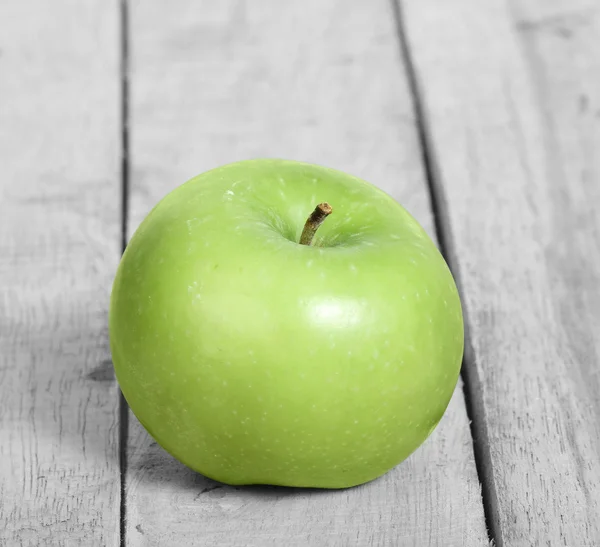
[[510, 96], [59, 245], [320, 81]]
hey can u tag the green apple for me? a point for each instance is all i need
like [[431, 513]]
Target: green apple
[[254, 359]]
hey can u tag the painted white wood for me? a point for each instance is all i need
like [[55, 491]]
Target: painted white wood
[[511, 100], [59, 246], [432, 498], [319, 81]]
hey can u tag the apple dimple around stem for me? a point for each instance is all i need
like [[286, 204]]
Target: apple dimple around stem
[[316, 218]]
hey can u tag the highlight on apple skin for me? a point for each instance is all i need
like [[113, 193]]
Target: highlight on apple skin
[[256, 359]]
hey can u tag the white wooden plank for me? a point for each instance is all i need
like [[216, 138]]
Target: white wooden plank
[[59, 246], [511, 102], [320, 81], [419, 503]]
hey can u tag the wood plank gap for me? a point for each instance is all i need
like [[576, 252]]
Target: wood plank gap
[[124, 21], [123, 406], [472, 392]]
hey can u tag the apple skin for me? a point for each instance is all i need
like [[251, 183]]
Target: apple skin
[[256, 360]]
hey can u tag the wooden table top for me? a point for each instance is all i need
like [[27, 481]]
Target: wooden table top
[[481, 118]]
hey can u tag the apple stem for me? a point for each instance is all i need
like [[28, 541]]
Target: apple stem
[[316, 218]]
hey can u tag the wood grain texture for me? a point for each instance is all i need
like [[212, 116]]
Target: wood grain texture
[[433, 498], [59, 245], [511, 105], [319, 81]]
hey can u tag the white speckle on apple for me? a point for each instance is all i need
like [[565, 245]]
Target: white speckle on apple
[[191, 223], [309, 263], [224, 383], [387, 364], [371, 367], [376, 354], [353, 268]]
